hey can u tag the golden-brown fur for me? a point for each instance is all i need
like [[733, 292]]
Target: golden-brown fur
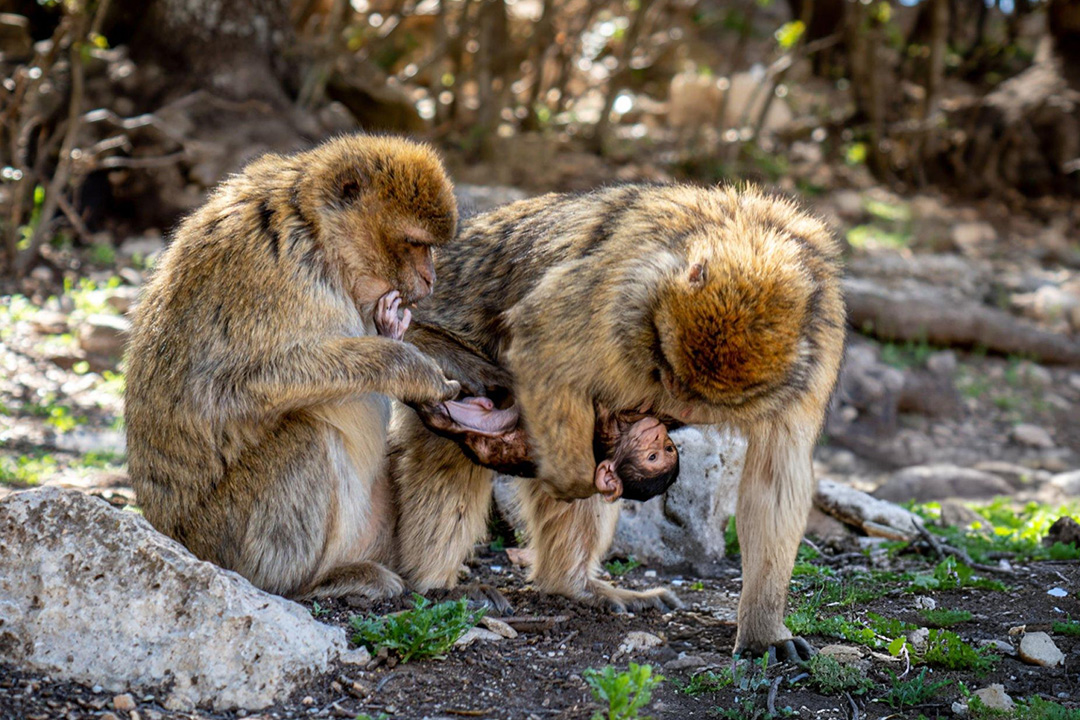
[[705, 305], [257, 392]]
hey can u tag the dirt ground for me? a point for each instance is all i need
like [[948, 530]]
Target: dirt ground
[[539, 673]]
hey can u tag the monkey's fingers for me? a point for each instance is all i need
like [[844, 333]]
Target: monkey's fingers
[[490, 598], [406, 318]]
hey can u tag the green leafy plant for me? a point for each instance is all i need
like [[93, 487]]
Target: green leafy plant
[[942, 618], [951, 574], [916, 691], [832, 677], [619, 568], [697, 586], [1068, 627], [708, 682], [427, 630], [625, 693], [318, 610], [946, 649]]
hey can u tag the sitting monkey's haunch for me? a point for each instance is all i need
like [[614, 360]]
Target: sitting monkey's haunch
[[257, 388]]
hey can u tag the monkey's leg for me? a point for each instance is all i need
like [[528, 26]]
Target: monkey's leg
[[569, 540], [367, 579], [775, 496], [443, 503]]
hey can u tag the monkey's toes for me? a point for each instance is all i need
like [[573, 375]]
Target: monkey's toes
[[795, 651], [490, 598]]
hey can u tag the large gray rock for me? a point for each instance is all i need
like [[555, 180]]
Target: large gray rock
[[93, 594], [923, 483], [686, 524]]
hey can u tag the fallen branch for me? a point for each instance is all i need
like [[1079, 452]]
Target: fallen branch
[[925, 315]]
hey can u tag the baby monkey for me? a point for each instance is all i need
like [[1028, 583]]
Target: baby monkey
[[635, 457]]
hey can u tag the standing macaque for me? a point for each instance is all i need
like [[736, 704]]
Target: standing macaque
[[635, 458], [264, 354], [706, 305]]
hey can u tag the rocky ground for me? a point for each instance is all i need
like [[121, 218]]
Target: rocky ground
[[911, 419]]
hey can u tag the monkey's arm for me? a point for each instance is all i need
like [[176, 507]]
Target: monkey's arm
[[560, 422], [477, 374], [303, 376]]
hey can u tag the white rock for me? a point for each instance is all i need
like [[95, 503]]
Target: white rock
[[636, 641], [1038, 649], [918, 638], [1068, 483], [924, 602], [95, 595], [1032, 435], [846, 654], [124, 702], [475, 634], [1001, 646], [687, 523], [994, 697], [104, 335], [48, 322], [499, 627], [960, 709]]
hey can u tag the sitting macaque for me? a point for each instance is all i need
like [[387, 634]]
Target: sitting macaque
[[635, 458]]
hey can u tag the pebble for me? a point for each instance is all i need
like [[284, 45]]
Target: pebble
[[922, 602], [475, 634], [685, 662], [1038, 649], [108, 716], [994, 697], [1074, 381], [499, 627], [1032, 435], [918, 638], [359, 656], [125, 702], [308, 700], [636, 641]]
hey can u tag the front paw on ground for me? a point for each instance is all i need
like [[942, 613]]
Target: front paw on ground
[[619, 601], [794, 650], [479, 595]]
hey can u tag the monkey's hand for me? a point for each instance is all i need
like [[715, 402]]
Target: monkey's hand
[[608, 483], [387, 322]]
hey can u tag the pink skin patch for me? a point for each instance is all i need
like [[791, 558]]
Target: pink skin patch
[[479, 415]]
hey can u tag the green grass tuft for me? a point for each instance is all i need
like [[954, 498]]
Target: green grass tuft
[[427, 630], [942, 618], [916, 691], [625, 693]]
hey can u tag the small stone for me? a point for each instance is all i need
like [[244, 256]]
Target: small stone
[[125, 702], [1036, 375], [308, 700], [104, 335], [134, 715], [97, 689], [923, 602], [635, 642], [650, 573], [1068, 482], [918, 638], [475, 634], [48, 322], [1074, 381], [359, 656], [1038, 649], [1032, 436], [109, 716], [845, 654], [499, 627], [994, 697], [960, 709], [685, 662], [1057, 592], [942, 364], [969, 235]]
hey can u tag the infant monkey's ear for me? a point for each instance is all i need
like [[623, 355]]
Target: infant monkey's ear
[[607, 481]]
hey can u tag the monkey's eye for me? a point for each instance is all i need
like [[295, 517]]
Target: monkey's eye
[[652, 457], [670, 448]]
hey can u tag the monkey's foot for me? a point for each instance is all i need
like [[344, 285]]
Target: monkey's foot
[[357, 582], [619, 600], [793, 650], [479, 594]]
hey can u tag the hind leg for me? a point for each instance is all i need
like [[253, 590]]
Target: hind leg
[[443, 502], [569, 540], [362, 579]]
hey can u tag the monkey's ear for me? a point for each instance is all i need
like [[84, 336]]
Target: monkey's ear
[[698, 274], [349, 189]]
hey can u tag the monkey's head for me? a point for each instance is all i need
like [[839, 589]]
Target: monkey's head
[[732, 322], [381, 204], [646, 460]]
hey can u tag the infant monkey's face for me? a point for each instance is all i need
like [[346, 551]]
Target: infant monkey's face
[[652, 450]]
